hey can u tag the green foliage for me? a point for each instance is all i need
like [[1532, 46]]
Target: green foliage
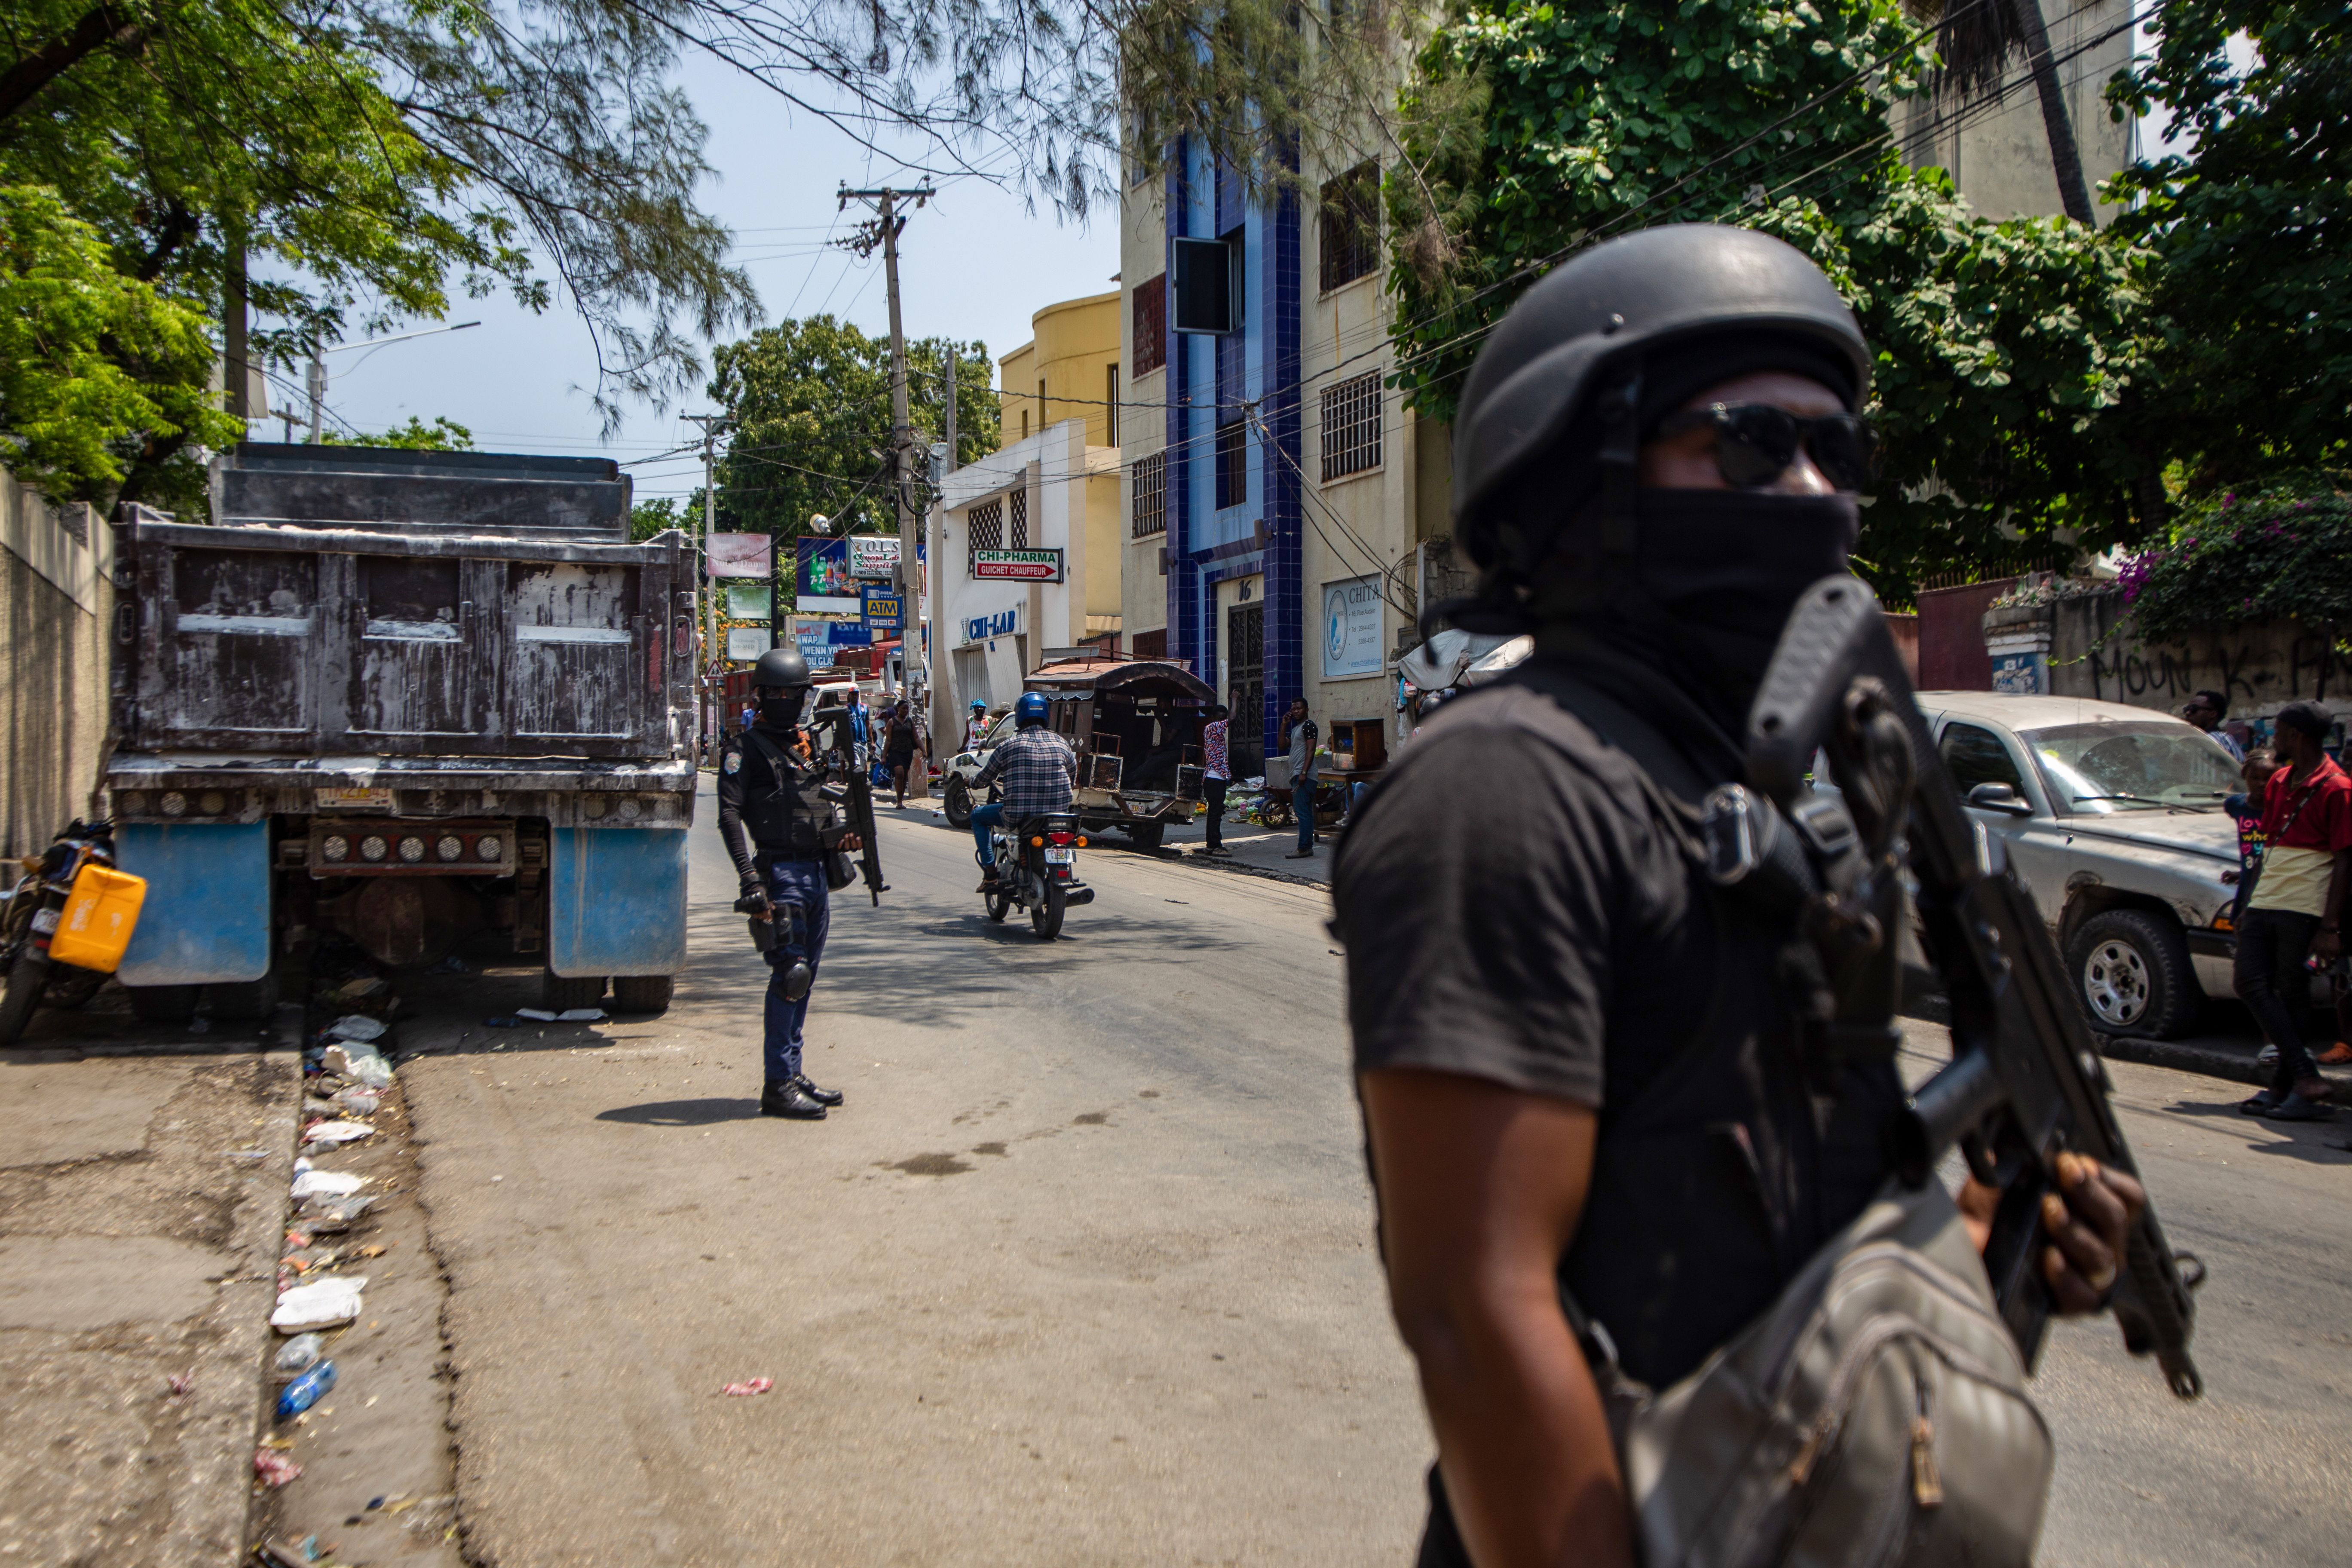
[[2007, 352], [94, 366], [647, 518], [2284, 553], [443, 435], [2254, 223], [809, 405]]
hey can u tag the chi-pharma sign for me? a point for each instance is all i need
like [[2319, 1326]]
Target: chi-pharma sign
[[1017, 565]]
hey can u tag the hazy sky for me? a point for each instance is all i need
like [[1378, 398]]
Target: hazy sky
[[972, 263]]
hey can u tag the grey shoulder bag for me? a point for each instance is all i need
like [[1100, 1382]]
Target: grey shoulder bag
[[1875, 1413]]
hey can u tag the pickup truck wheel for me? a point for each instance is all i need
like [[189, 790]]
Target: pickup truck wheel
[[642, 993], [955, 799], [2131, 974], [560, 993], [163, 1003]]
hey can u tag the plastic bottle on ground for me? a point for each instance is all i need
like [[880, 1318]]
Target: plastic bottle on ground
[[306, 1390], [300, 1353]]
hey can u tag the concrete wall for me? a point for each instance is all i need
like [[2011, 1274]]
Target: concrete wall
[[2261, 667], [1076, 347], [1999, 155], [1951, 643], [57, 600]]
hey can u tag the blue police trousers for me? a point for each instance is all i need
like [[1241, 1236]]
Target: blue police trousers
[[803, 907]]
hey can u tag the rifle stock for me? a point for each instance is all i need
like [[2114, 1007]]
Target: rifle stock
[[2025, 1083], [857, 794]]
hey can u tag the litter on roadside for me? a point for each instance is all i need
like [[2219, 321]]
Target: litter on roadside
[[361, 989], [359, 1101], [581, 1015], [509, 1022], [362, 1063], [325, 1216], [338, 1131], [299, 1352], [274, 1468], [355, 1027], [306, 1391], [747, 1386], [327, 1185], [328, 1304], [539, 1014], [179, 1384]]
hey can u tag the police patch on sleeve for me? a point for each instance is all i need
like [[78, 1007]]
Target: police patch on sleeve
[[734, 761]]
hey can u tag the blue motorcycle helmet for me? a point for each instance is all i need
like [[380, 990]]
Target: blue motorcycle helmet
[[1030, 710]]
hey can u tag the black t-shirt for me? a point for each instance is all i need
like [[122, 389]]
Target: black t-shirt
[[1516, 908]]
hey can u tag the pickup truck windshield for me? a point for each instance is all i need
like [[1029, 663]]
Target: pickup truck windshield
[[2100, 769]]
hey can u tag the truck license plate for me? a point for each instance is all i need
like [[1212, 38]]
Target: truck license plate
[[362, 799], [45, 921], [1060, 857]]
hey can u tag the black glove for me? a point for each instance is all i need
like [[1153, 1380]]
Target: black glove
[[754, 901]]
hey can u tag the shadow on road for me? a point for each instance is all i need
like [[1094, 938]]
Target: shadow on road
[[2317, 1142], [684, 1112]]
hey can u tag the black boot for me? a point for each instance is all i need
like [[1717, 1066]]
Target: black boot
[[786, 1099], [822, 1096]]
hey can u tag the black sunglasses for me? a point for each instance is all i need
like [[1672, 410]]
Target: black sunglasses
[[1755, 442]]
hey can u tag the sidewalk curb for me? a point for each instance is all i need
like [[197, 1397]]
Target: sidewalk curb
[[1244, 869], [2188, 1057], [244, 1305]]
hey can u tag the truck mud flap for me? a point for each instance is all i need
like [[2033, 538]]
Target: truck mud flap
[[207, 920], [616, 902]]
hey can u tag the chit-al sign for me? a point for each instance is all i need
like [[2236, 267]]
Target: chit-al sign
[[1020, 565], [873, 554]]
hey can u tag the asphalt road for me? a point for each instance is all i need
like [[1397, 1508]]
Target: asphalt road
[[1083, 1271]]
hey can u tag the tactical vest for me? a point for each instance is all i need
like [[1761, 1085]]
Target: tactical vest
[[782, 808]]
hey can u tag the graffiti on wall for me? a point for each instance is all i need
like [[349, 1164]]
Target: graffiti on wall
[[2258, 667]]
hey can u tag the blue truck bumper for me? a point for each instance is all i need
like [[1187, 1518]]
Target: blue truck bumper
[[206, 918], [616, 902]]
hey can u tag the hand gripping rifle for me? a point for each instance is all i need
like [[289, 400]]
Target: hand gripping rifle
[[2024, 1083], [852, 789]]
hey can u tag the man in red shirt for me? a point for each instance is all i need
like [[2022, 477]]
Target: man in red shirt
[[2297, 906]]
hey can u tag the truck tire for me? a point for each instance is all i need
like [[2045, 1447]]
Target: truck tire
[[163, 1003], [955, 799], [1144, 836], [642, 993], [27, 978], [561, 993], [246, 999], [2130, 972]]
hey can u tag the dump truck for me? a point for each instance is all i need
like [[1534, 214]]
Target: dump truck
[[411, 698]]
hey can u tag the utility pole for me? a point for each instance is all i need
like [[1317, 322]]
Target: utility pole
[[883, 230], [940, 715], [705, 585], [318, 380]]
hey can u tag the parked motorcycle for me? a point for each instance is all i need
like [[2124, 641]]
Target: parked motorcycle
[[1037, 869], [54, 904]]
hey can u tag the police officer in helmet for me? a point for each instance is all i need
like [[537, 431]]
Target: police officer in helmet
[[778, 829], [1579, 1066]]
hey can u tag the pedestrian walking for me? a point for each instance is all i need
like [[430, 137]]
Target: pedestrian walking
[[1216, 775], [2207, 710], [1299, 734], [2297, 909], [899, 750], [778, 828], [2246, 809], [1583, 1077]]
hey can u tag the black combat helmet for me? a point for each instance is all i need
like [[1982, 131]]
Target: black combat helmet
[[784, 667], [1613, 342]]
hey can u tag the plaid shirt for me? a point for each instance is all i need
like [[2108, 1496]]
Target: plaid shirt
[[1038, 769]]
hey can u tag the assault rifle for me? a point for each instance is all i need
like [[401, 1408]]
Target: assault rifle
[[2024, 1083], [853, 790]]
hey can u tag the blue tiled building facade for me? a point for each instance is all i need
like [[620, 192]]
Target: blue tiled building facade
[[1233, 451]]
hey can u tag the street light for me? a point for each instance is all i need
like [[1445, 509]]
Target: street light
[[317, 387]]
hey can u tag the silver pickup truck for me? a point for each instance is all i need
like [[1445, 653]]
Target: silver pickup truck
[[2112, 815]]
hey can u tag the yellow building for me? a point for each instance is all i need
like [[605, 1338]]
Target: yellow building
[[1068, 370]]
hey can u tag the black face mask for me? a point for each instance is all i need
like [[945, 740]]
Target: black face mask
[[1713, 579], [783, 710]]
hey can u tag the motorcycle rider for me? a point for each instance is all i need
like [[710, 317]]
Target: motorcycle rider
[[1040, 772], [778, 829]]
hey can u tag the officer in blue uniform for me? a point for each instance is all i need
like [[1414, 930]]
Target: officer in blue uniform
[[779, 828]]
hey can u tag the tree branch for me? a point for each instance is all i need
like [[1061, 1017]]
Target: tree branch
[[100, 26]]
